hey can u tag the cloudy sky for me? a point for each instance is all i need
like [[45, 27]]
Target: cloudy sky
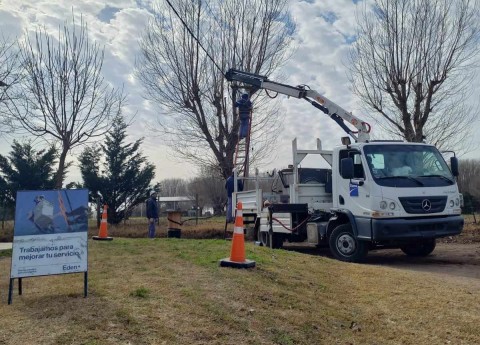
[[325, 29]]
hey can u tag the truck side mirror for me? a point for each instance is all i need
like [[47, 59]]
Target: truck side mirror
[[454, 165], [346, 168]]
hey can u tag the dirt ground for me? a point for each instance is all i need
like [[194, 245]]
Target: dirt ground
[[454, 261], [459, 262]]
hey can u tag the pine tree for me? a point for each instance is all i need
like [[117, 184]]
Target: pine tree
[[26, 169], [125, 178]]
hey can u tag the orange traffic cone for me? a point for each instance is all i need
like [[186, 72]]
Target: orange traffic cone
[[102, 232], [237, 254]]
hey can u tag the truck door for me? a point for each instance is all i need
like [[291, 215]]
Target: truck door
[[353, 196]]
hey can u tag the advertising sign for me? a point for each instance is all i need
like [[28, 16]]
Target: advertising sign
[[50, 233]]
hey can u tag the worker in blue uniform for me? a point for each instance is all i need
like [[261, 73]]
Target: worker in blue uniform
[[244, 108]]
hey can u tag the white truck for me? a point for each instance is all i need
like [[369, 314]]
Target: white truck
[[377, 194]]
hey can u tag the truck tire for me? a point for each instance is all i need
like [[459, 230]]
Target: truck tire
[[345, 247], [257, 232], [278, 241], [264, 238], [418, 249]]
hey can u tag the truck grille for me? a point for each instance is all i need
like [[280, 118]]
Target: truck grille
[[423, 204]]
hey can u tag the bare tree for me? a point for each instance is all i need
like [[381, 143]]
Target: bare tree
[[469, 177], [188, 84], [173, 187], [412, 63], [469, 183], [9, 77], [208, 188], [65, 95]]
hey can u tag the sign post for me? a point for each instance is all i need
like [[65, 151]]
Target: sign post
[[50, 235]]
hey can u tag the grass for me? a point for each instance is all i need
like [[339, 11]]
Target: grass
[[141, 292], [172, 291], [470, 233]]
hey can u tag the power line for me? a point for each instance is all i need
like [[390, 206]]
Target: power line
[[193, 35]]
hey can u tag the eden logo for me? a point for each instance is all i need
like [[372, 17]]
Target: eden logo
[[353, 190]]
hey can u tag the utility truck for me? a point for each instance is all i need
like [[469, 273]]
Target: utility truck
[[377, 194]]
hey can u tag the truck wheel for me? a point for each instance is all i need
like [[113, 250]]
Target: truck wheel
[[345, 247], [264, 238], [257, 232], [422, 248]]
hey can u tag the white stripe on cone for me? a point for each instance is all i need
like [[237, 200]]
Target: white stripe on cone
[[238, 229]]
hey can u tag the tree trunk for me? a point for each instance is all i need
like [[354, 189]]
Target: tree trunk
[[61, 169]]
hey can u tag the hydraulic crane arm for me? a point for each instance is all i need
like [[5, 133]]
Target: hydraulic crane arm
[[336, 113]]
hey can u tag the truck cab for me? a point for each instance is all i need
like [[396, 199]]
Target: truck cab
[[392, 194]]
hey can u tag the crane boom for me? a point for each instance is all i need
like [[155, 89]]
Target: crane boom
[[336, 113]]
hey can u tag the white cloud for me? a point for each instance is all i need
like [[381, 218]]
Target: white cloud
[[318, 62], [325, 29]]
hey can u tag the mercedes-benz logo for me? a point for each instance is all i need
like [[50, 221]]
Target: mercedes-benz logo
[[426, 205]]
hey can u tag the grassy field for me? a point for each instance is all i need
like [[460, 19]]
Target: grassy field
[[172, 291]]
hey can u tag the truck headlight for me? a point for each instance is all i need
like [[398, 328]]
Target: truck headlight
[[457, 202], [383, 205], [392, 205], [452, 203]]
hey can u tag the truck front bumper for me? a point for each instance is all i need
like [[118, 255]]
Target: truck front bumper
[[407, 229]]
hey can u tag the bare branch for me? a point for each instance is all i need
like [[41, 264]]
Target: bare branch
[[201, 123], [64, 93], [413, 63], [9, 78]]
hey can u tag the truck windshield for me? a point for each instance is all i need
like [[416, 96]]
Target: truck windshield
[[407, 166]]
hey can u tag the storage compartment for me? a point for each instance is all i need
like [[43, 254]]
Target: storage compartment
[[316, 232]]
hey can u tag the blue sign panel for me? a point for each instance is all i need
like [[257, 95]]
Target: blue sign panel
[[50, 233]]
